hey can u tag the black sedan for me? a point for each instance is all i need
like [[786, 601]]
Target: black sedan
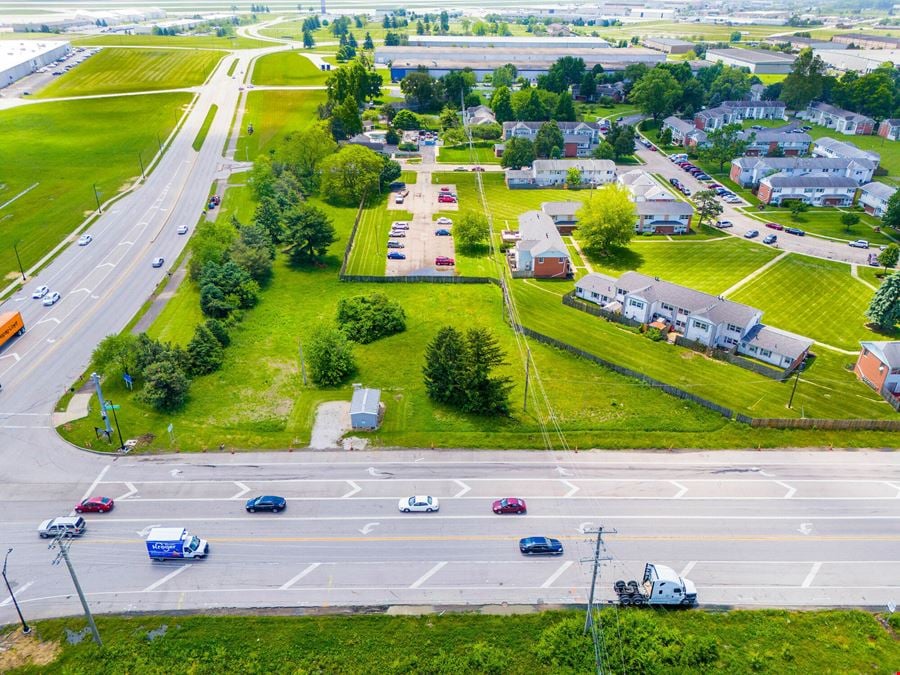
[[540, 546], [266, 503]]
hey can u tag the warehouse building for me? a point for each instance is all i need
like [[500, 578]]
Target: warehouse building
[[800, 43], [494, 42], [861, 61], [19, 58], [867, 41], [668, 45], [759, 62], [438, 61]]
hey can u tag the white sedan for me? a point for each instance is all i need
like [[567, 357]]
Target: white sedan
[[40, 292], [51, 299], [85, 239], [444, 221], [418, 503]]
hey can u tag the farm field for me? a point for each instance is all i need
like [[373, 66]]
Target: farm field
[[462, 154], [813, 297], [116, 71], [287, 68], [197, 42], [273, 115], [827, 223], [56, 148]]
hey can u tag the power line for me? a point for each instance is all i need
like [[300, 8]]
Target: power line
[[590, 624], [62, 542]]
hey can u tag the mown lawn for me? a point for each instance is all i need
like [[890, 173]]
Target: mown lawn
[[710, 265], [813, 297], [56, 145], [274, 114], [197, 42], [889, 151], [462, 154], [287, 68], [636, 640], [827, 223], [116, 71], [369, 254]]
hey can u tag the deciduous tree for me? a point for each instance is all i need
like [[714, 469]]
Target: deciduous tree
[[657, 93], [724, 144], [366, 318], [471, 231], [517, 152], [329, 355], [707, 205], [308, 233], [350, 174], [607, 219]]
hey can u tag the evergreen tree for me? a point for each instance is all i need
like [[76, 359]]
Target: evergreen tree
[[501, 104], [565, 109], [308, 233], [445, 359], [884, 310], [204, 351], [368, 43], [165, 386], [219, 330], [484, 394]]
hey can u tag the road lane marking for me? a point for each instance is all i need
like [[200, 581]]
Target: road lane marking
[[465, 489], [507, 479], [687, 568], [896, 487], [791, 491], [368, 527], [97, 481], [572, 489], [21, 589], [243, 489], [131, 491], [557, 574], [298, 577], [354, 488], [563, 472], [807, 582], [171, 575], [430, 573], [681, 489], [805, 528]]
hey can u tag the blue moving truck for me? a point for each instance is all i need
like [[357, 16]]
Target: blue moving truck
[[175, 543]]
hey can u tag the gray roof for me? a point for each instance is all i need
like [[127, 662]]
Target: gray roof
[[681, 125], [845, 149], [804, 163], [566, 164], [563, 126], [778, 341], [560, 208], [879, 190], [870, 36], [365, 401], [774, 136], [699, 304], [840, 112], [598, 283], [810, 181], [670, 42], [752, 104], [886, 352], [666, 208], [892, 122], [748, 55]]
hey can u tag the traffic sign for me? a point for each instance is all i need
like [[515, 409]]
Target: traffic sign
[[112, 407]]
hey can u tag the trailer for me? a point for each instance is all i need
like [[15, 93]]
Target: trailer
[[661, 586]]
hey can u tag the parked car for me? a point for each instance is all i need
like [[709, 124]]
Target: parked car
[[444, 261], [796, 231], [770, 239], [445, 188], [540, 546], [724, 224], [509, 505], [397, 185], [397, 233], [477, 168], [72, 526], [444, 221], [442, 233], [85, 239], [460, 168], [40, 292], [685, 191], [775, 226], [859, 243], [51, 299], [398, 199], [674, 181], [444, 199], [396, 255], [751, 234], [702, 176], [399, 225], [266, 503], [95, 505], [157, 262], [420, 503], [395, 244]]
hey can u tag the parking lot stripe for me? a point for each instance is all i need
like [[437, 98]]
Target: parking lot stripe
[[430, 573], [557, 574], [171, 575], [297, 578]]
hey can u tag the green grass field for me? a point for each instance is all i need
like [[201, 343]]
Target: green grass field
[[116, 71], [56, 146], [369, 250], [827, 223], [273, 115], [198, 42], [638, 640], [287, 68], [204, 128], [813, 297], [462, 154]]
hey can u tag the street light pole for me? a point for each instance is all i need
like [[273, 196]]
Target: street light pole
[[118, 428], [141, 160], [794, 390], [97, 197], [19, 260], [25, 627]]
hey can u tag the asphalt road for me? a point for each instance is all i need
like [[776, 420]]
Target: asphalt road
[[751, 529]]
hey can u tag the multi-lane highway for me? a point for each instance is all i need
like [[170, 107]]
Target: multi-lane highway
[[751, 529]]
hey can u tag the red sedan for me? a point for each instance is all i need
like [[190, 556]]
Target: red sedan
[[509, 505], [775, 226], [95, 505]]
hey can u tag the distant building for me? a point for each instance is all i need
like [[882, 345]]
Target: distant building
[[479, 115], [890, 129], [540, 251], [506, 42], [862, 61], [668, 45], [815, 190], [658, 210], [680, 129], [878, 365], [830, 147], [366, 408], [553, 172], [579, 138], [563, 214], [842, 121], [800, 43], [757, 91], [873, 197], [764, 142], [867, 41], [759, 62], [19, 58], [748, 171], [732, 112]]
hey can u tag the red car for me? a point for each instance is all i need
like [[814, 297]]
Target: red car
[[509, 505], [444, 260], [95, 505], [445, 188], [775, 226], [444, 199]]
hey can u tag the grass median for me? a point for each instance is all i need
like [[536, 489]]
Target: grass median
[[204, 128], [288, 68]]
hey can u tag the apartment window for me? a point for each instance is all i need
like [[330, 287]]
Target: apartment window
[[682, 312], [702, 326], [765, 352], [753, 350], [595, 295], [729, 341], [540, 260], [818, 190], [733, 328], [668, 307]]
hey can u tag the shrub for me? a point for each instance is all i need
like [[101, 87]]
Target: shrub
[[166, 385], [329, 355], [366, 318]]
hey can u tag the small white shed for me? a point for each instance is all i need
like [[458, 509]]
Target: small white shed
[[366, 408]]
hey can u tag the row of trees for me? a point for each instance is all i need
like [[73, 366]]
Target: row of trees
[[531, 104]]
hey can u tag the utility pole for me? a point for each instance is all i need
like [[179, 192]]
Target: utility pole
[[118, 428], [25, 627], [97, 197], [19, 260], [63, 542], [159, 142], [302, 365], [794, 389], [589, 617], [141, 160], [527, 371], [95, 378]]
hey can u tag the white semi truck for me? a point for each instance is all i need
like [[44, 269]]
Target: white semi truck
[[661, 586]]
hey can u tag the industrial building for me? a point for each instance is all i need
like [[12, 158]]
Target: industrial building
[[668, 45], [530, 63], [860, 60], [494, 42], [800, 43], [868, 41], [759, 62], [19, 58]]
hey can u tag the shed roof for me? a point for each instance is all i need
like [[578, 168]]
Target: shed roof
[[365, 400], [879, 190], [778, 341]]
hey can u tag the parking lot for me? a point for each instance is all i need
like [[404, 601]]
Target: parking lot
[[420, 244]]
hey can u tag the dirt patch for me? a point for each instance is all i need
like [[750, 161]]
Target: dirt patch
[[18, 650], [332, 422]]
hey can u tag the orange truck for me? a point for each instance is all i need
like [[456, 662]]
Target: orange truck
[[11, 325]]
